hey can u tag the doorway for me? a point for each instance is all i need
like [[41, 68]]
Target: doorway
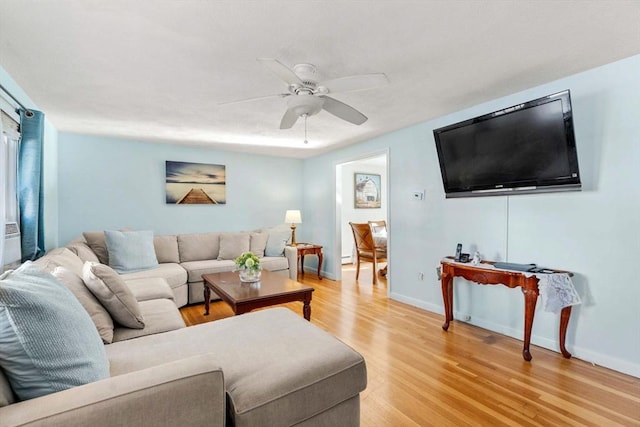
[[364, 173]]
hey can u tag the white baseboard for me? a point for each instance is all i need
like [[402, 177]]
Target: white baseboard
[[314, 272], [590, 356]]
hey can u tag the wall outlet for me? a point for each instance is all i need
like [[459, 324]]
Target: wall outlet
[[466, 318]]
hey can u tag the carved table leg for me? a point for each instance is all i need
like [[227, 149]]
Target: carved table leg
[[207, 298], [530, 299], [306, 309], [302, 265], [447, 297], [320, 256], [564, 321]]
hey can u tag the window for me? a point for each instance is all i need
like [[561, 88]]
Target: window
[[9, 143], [10, 244]]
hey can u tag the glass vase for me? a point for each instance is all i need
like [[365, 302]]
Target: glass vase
[[247, 275]]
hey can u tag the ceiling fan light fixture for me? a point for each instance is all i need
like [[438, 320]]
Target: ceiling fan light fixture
[[305, 104]]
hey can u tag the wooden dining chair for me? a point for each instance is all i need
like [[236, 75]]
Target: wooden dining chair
[[366, 249], [379, 231]]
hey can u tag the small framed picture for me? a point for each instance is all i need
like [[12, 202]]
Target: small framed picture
[[367, 191]]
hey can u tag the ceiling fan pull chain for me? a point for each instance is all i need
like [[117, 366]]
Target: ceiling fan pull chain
[[305, 128]]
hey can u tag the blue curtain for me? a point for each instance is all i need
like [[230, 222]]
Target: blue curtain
[[30, 187]]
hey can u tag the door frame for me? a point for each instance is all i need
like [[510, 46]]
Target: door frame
[[337, 208]]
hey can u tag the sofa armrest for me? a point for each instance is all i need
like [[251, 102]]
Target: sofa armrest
[[292, 256], [189, 391]]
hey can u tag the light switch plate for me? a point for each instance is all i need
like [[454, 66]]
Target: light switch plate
[[417, 195]]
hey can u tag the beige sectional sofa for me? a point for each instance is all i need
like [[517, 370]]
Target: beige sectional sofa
[[184, 258], [266, 368]]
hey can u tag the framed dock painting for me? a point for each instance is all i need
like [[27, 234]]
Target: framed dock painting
[[195, 183], [367, 194]]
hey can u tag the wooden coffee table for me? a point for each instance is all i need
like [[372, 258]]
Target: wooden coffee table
[[272, 289]]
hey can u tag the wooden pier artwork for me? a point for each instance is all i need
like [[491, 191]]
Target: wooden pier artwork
[[196, 196], [189, 183]]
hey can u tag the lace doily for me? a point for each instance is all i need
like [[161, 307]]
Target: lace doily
[[557, 291]]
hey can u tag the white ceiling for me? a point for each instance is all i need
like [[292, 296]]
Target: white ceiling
[[157, 69]]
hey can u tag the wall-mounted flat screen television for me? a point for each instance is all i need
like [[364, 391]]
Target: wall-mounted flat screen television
[[526, 148]]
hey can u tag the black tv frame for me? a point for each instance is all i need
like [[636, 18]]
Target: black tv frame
[[518, 187]]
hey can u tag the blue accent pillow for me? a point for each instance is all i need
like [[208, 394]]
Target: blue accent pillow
[[130, 251], [276, 242], [48, 342]]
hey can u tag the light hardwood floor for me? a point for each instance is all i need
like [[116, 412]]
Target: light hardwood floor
[[419, 375]]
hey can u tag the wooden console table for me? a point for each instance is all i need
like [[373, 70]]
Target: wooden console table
[[512, 279]]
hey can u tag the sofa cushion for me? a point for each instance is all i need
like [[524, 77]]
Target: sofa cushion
[[48, 342], [95, 240], [195, 269], [100, 317], [6, 394], [259, 243], [83, 251], [274, 263], [198, 246], [278, 239], [174, 274], [148, 288], [114, 294], [130, 251], [60, 257], [232, 245], [160, 315], [166, 249], [264, 383]]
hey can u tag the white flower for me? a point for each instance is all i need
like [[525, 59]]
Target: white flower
[[249, 263]]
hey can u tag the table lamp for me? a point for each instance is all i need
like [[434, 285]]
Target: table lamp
[[293, 217]]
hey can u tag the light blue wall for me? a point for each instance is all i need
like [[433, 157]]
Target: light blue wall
[[50, 162], [594, 233], [112, 183], [104, 182]]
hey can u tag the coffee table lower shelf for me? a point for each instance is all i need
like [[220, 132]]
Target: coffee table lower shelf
[[242, 297]]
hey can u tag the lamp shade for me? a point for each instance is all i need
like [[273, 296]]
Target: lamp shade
[[293, 217]]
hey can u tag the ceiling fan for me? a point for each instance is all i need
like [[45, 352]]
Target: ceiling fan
[[306, 96]]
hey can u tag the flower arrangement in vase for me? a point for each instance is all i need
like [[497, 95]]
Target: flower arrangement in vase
[[249, 267]]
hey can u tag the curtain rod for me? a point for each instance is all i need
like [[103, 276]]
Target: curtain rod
[[27, 110]]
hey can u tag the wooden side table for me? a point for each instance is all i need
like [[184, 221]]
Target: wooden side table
[[309, 249]]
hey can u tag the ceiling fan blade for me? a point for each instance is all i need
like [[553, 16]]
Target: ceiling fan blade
[[281, 70], [353, 83], [343, 111], [289, 119], [258, 98]]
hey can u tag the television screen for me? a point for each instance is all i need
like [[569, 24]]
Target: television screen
[[526, 148]]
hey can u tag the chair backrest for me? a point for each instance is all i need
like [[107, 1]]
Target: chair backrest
[[362, 236], [378, 228]]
